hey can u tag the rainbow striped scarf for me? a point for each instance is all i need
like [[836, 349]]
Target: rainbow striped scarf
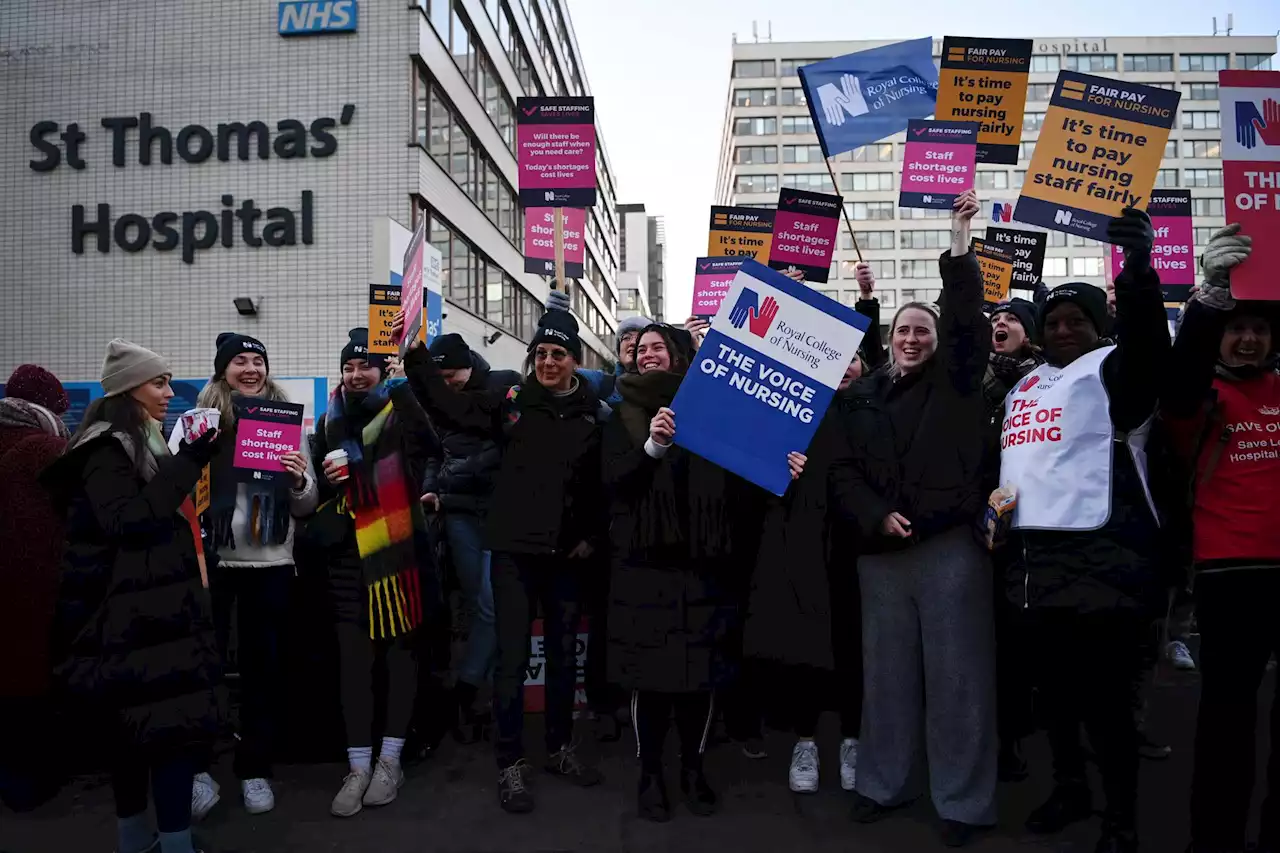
[[389, 523]]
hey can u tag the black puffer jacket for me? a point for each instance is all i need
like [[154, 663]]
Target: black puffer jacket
[[918, 442], [464, 473], [133, 631], [1115, 566], [547, 496]]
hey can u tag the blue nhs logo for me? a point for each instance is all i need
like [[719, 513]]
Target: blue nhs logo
[[312, 17]]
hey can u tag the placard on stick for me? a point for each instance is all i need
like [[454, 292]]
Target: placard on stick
[[938, 164], [804, 233], [1173, 254], [1028, 249], [712, 279], [985, 80], [1250, 103], [997, 270], [556, 151], [384, 302], [745, 232]]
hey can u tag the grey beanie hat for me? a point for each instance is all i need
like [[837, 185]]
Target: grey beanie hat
[[127, 365], [632, 324]]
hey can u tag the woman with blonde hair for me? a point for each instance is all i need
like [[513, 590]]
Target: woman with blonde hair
[[250, 528]]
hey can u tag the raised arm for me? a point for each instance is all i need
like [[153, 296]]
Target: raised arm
[[964, 332], [475, 411], [868, 306]]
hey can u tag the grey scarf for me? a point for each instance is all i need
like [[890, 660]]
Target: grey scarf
[[21, 414], [144, 457]]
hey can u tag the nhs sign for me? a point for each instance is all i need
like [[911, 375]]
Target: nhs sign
[[313, 17]]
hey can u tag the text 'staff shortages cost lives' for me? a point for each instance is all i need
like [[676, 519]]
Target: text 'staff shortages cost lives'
[[985, 80], [384, 302], [265, 430], [556, 151], [765, 374], [997, 270], [540, 240], [938, 164], [744, 232], [1173, 254], [1028, 253], [1098, 153], [804, 233], [712, 278], [1251, 174]]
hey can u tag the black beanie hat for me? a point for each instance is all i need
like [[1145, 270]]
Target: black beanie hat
[[1091, 300], [450, 352], [358, 347], [229, 345], [558, 327], [1025, 312]]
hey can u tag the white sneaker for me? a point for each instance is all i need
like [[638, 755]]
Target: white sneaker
[[1180, 656], [804, 767], [204, 796], [848, 763], [387, 779], [258, 796], [350, 799]]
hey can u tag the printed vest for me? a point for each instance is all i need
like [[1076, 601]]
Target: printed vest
[[1057, 443]]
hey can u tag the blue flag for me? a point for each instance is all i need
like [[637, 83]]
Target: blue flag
[[864, 97]]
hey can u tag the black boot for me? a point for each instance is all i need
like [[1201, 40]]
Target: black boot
[[1070, 802], [698, 795], [653, 803], [867, 810]]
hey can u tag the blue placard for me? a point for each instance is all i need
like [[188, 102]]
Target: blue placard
[[765, 374], [316, 17]]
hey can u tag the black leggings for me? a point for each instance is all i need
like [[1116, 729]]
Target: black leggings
[[169, 777], [651, 713], [358, 655]]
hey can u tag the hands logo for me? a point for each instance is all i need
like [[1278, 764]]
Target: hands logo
[[845, 98], [1254, 125], [748, 311], [1001, 211], [1029, 383]]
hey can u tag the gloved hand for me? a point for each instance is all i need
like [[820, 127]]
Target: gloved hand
[[1132, 231], [558, 300], [202, 449], [1227, 248]]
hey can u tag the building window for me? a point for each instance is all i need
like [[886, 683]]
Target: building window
[[1057, 239], [749, 154], [1202, 62], [1045, 64], [1201, 120], [888, 298], [1032, 121], [794, 97], [1170, 149], [802, 154], [868, 240], [924, 213], [880, 152], [1253, 61], [1091, 62], [1199, 91], [818, 182], [1055, 267], [1025, 150], [1203, 235], [992, 180], [880, 269], [756, 184], [863, 210], [1040, 92], [755, 97], [790, 67], [760, 126], [1077, 240], [1085, 267], [859, 182], [1148, 62], [924, 239], [769, 205], [917, 269], [753, 68], [1019, 175], [1203, 177], [1166, 178], [797, 124]]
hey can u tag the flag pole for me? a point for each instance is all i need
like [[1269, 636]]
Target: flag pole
[[843, 210]]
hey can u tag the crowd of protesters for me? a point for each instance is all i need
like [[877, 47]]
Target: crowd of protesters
[[873, 588]]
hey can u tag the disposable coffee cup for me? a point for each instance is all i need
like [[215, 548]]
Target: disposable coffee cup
[[339, 460], [196, 422]]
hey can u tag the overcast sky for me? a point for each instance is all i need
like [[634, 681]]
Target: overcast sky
[[659, 70]]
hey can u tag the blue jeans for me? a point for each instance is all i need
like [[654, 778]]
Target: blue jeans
[[471, 562]]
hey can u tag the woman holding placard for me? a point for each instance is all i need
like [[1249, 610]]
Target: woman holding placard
[[373, 444], [250, 530], [133, 635], [918, 434]]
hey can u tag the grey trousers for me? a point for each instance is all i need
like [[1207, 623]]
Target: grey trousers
[[928, 647]]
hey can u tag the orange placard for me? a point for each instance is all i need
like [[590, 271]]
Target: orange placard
[[740, 232], [997, 270], [985, 80]]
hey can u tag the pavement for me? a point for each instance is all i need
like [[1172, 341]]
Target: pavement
[[449, 805]]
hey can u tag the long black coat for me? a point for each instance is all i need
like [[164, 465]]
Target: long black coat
[[133, 632]]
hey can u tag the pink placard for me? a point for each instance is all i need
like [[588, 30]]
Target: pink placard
[[939, 163], [540, 240], [1250, 108], [804, 233], [711, 280], [411, 284], [265, 430], [1173, 254], [556, 151]]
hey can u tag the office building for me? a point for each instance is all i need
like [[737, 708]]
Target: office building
[[643, 249], [237, 159], [768, 142]]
